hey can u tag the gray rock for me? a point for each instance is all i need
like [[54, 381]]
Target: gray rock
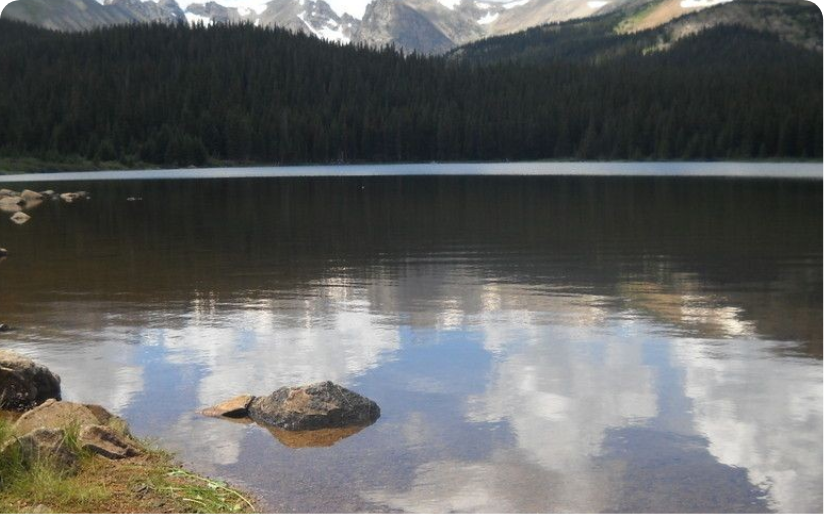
[[106, 442], [43, 444], [55, 415], [73, 197], [23, 383], [314, 407], [30, 196], [20, 218], [11, 203]]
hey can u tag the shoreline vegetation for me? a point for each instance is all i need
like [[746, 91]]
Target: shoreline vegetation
[[61, 456], [151, 482], [25, 165]]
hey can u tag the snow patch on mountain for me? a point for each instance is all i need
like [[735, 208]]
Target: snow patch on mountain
[[695, 4], [330, 31], [194, 19], [490, 17], [449, 4], [516, 3], [257, 6], [597, 4]]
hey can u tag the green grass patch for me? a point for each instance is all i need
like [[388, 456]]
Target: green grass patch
[[150, 482]]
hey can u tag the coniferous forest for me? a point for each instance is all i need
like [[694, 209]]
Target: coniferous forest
[[179, 96]]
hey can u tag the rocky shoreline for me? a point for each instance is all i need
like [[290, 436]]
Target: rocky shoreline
[[84, 447], [59, 456], [19, 203]]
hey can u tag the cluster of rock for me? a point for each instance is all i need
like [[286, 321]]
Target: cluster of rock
[[313, 415], [16, 202], [297, 415], [25, 384], [43, 431]]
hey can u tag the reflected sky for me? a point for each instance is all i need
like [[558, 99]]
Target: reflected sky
[[535, 344]]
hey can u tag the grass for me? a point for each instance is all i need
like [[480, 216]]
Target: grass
[[151, 482], [9, 165], [207, 495], [629, 23]]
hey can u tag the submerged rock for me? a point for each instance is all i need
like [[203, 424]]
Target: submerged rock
[[73, 197], [11, 204], [312, 407], [322, 438], [237, 407], [24, 383], [31, 196], [20, 218], [4, 252]]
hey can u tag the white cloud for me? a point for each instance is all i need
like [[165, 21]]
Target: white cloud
[[759, 413]]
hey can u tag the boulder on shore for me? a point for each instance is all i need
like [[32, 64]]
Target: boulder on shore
[[106, 442], [313, 407], [43, 444], [8, 192], [24, 383], [56, 414]]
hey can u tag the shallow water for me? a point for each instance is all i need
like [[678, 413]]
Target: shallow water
[[535, 343]]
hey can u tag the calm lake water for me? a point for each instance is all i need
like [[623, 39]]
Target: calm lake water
[[536, 343]]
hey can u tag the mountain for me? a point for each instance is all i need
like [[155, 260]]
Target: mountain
[[616, 33], [426, 26], [177, 95], [70, 15], [314, 17]]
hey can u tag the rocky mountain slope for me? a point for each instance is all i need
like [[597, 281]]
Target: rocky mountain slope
[[427, 26], [630, 31]]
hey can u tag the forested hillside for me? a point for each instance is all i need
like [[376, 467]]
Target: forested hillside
[[178, 96], [610, 35]]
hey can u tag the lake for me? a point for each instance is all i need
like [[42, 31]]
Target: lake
[[537, 341]]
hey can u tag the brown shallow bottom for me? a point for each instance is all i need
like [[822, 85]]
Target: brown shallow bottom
[[312, 438]]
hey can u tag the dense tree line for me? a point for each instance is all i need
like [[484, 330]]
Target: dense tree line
[[177, 96]]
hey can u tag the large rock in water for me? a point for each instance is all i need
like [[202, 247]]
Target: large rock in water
[[313, 407], [24, 383]]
